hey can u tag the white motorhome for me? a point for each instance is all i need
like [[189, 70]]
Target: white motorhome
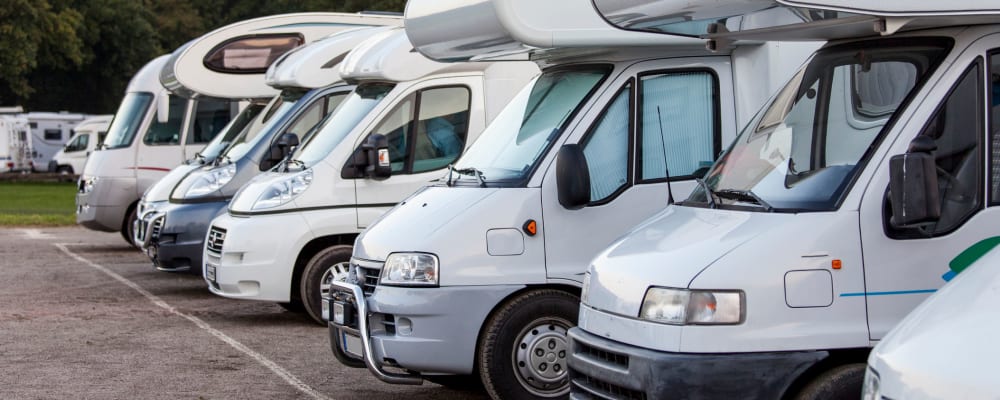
[[947, 347], [50, 131], [155, 130], [834, 213], [15, 144], [86, 137], [175, 213], [481, 272], [407, 120]]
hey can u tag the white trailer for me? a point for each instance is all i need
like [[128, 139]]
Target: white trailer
[[835, 212], [50, 131], [15, 144]]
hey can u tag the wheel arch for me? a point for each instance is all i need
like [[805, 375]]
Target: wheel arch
[[309, 250], [835, 359]]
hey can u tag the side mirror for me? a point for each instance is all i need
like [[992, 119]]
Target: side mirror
[[913, 187], [163, 108], [377, 164], [572, 177], [279, 150]]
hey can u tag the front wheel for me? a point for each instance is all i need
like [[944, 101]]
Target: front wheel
[[326, 266], [842, 382], [128, 226], [523, 351]]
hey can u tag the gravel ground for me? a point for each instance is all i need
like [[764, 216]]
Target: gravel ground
[[70, 328]]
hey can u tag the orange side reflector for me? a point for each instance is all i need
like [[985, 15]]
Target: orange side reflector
[[530, 227], [836, 264]]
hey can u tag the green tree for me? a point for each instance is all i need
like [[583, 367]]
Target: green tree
[[36, 33]]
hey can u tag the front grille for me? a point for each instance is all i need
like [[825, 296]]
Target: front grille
[[155, 227], [368, 279], [216, 236], [604, 389], [618, 360], [390, 323]]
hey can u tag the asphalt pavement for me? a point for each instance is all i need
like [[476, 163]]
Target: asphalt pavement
[[84, 315]]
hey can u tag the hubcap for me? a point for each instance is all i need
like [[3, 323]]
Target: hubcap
[[337, 272], [540, 357]]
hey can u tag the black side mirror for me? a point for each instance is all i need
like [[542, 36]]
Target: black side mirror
[[572, 177], [376, 151], [913, 187], [279, 150]]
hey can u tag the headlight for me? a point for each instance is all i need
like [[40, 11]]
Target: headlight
[[410, 269], [870, 390], [211, 181], [87, 183], [692, 307], [283, 191]]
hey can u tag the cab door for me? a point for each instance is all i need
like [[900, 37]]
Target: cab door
[[160, 148], [904, 265], [427, 129], [207, 120], [663, 116]]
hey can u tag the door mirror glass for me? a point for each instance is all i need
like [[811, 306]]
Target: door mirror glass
[[913, 186], [572, 177]]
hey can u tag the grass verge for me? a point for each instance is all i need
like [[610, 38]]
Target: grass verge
[[37, 204]]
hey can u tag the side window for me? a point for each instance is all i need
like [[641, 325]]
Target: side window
[[678, 115], [73, 145], [82, 142], [209, 119], [396, 128], [956, 128], [53, 134], [169, 132], [606, 147], [308, 119], [994, 93], [442, 124]]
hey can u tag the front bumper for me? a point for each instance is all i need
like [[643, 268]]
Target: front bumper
[[420, 330], [104, 207], [603, 368], [256, 256], [173, 235]]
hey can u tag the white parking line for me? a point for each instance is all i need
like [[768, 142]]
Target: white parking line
[[277, 369]]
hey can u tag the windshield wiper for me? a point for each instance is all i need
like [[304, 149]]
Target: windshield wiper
[[747, 196], [466, 171], [708, 192]]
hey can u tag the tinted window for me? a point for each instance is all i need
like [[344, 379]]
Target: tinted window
[[160, 133], [442, 125], [127, 120], [209, 119], [53, 134]]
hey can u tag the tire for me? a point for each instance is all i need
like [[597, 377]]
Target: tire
[[330, 263], [294, 306], [128, 228], [532, 321], [842, 382], [65, 170]]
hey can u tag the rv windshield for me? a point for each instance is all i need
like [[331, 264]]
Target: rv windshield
[[255, 133], [802, 151], [235, 127], [127, 120], [341, 122], [512, 144]]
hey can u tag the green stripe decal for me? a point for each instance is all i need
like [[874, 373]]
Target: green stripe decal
[[964, 259]]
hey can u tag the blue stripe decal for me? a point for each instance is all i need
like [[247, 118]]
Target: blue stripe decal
[[948, 276], [887, 293]]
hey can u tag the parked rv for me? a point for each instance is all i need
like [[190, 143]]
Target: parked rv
[[834, 213], [481, 272], [50, 131], [15, 144], [86, 137], [947, 346], [407, 120], [175, 214], [216, 70]]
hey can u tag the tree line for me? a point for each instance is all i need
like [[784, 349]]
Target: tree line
[[78, 55]]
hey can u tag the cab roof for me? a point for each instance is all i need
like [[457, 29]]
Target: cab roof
[[317, 64]]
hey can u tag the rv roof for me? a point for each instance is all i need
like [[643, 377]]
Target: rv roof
[[147, 79], [317, 64], [230, 62], [387, 56], [456, 30], [732, 20]]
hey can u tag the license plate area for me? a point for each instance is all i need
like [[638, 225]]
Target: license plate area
[[351, 344]]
